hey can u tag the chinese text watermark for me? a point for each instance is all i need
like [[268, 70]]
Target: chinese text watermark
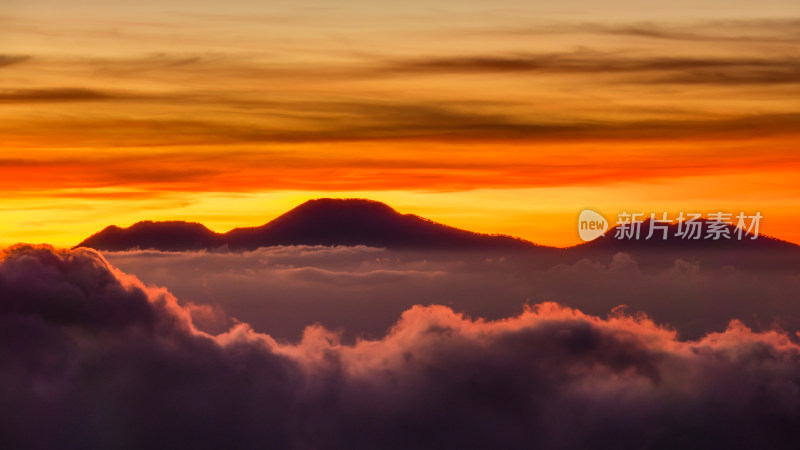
[[634, 226]]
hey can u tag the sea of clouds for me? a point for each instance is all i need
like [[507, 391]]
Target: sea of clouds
[[362, 291], [92, 358]]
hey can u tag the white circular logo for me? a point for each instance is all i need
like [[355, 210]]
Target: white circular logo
[[591, 225]]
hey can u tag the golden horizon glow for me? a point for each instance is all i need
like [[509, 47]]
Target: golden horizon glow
[[548, 221]]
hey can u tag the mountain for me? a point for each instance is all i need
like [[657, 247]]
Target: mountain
[[619, 239], [348, 222], [316, 222], [167, 236], [763, 253]]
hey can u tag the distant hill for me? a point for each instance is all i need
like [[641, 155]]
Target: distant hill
[[763, 253], [679, 238], [167, 236], [316, 222]]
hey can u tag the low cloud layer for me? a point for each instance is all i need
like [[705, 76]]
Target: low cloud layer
[[363, 290], [92, 358]]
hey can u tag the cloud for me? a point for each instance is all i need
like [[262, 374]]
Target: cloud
[[384, 121], [51, 95], [635, 69], [746, 31], [74, 94], [742, 31], [92, 358], [599, 101], [8, 60], [362, 290]]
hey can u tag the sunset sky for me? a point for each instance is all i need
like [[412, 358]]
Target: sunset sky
[[508, 116]]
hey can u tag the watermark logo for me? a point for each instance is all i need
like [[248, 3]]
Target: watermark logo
[[591, 225], [691, 226]]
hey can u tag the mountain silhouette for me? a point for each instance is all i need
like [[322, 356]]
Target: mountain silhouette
[[167, 236], [349, 222], [661, 249], [325, 221], [679, 237]]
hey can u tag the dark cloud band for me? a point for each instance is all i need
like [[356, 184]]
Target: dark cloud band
[[94, 359]]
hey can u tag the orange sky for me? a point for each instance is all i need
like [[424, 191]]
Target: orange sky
[[510, 117]]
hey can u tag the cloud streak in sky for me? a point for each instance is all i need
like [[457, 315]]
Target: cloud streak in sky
[[8, 60], [634, 69], [738, 31], [93, 358], [277, 115], [52, 95], [629, 67]]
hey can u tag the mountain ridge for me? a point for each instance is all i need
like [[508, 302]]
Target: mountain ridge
[[326, 222], [349, 222]]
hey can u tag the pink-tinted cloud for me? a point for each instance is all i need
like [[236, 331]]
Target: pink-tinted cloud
[[362, 290], [92, 358]]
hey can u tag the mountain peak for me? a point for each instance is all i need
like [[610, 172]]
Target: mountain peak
[[353, 203], [355, 221], [332, 208]]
